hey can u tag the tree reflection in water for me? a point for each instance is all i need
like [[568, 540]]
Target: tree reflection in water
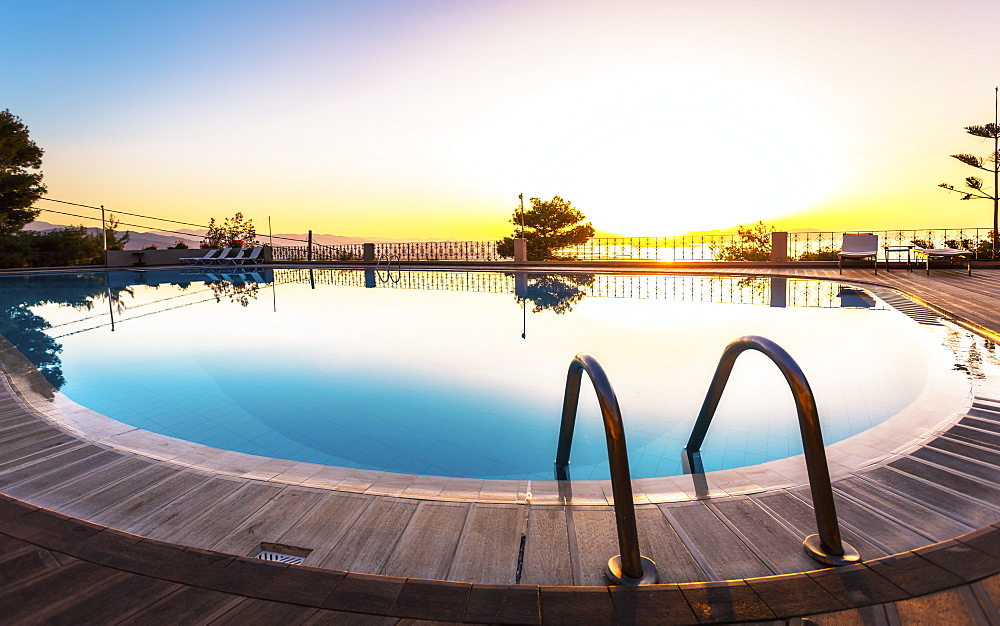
[[557, 293], [26, 331]]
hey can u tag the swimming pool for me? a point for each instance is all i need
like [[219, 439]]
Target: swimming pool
[[455, 373]]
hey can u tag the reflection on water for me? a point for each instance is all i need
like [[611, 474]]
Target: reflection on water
[[425, 372], [556, 293]]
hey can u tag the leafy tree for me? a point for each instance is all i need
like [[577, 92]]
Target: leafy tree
[[72, 245], [549, 226], [234, 231], [111, 236], [19, 187], [974, 189], [752, 244]]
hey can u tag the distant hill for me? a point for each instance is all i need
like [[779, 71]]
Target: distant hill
[[193, 238]]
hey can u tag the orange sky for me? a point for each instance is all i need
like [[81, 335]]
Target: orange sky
[[425, 119]]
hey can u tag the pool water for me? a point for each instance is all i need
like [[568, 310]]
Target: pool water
[[454, 373]]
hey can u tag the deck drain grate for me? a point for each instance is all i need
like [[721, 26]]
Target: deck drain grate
[[278, 553]]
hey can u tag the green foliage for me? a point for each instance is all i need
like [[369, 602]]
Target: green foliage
[[752, 244], [827, 253], [234, 231], [72, 245], [982, 247], [111, 236], [549, 226], [19, 187], [974, 189]]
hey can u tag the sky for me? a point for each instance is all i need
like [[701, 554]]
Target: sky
[[424, 119]]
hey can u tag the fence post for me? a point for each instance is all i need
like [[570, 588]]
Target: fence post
[[779, 247], [309, 253], [368, 253]]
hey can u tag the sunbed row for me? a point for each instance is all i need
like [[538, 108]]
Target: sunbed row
[[232, 256]]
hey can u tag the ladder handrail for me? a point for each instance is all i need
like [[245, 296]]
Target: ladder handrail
[[827, 546], [629, 567], [388, 267]]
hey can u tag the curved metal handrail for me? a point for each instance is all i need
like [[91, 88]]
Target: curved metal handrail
[[826, 547], [389, 258], [629, 567]]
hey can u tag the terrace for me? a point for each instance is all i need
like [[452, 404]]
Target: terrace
[[116, 530]]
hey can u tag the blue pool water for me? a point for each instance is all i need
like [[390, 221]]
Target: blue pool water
[[454, 374]]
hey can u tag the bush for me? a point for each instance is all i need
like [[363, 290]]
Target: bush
[[752, 244]]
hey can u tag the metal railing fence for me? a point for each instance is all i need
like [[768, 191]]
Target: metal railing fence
[[802, 246]]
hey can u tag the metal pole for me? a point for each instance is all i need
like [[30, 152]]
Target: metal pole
[[629, 567], [827, 546], [520, 198], [309, 255], [104, 237], [270, 235]]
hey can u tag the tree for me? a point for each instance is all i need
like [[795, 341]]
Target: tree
[[19, 187], [233, 232], [991, 164], [753, 244], [549, 226], [111, 236]]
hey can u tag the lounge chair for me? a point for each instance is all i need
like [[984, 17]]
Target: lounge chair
[[858, 246], [237, 257], [253, 257], [209, 254], [946, 254], [219, 259]]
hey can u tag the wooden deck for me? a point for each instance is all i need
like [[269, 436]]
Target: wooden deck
[[717, 527]]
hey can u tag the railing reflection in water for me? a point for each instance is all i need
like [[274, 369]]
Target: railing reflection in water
[[768, 291]]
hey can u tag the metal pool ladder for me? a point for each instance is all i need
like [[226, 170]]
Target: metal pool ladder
[[388, 258], [629, 567], [825, 547]]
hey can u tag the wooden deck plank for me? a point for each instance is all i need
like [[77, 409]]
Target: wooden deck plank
[[26, 455], [801, 519], [76, 484], [15, 473], [29, 482], [162, 522], [489, 545], [718, 550], [965, 449], [976, 421], [427, 546], [373, 537], [323, 526], [955, 506], [875, 527], [219, 520], [145, 502], [90, 504], [596, 535], [771, 541], [546, 547], [659, 541], [978, 437], [979, 471], [986, 493], [270, 521], [906, 510]]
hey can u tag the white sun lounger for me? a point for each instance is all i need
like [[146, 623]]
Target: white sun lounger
[[946, 254], [858, 246], [253, 257], [209, 254], [221, 258]]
